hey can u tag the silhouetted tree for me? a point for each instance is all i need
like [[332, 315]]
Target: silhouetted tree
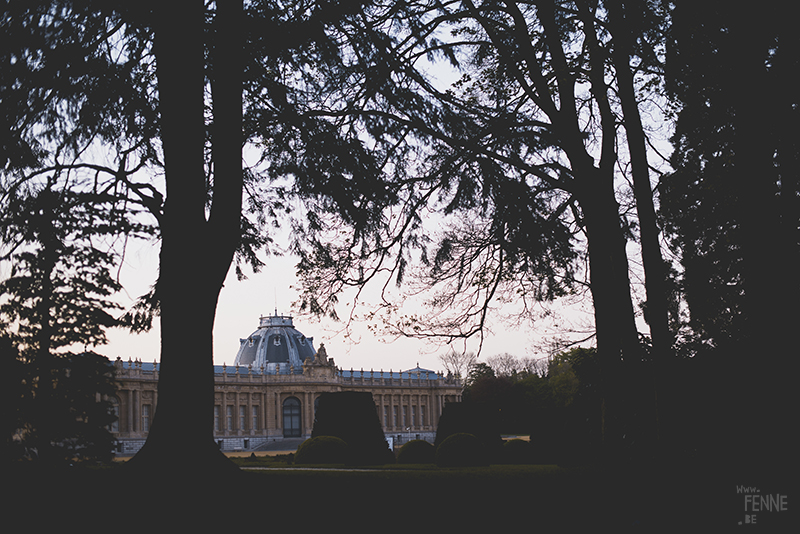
[[525, 151], [458, 363], [638, 30], [109, 97], [732, 207], [505, 364], [57, 298], [478, 371], [16, 394]]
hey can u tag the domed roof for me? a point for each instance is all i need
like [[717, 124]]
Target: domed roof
[[276, 346]]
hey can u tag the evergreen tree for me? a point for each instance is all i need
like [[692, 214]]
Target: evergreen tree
[[732, 210], [110, 99], [524, 165], [57, 299], [16, 393]]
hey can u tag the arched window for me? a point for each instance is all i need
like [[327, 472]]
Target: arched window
[[292, 427]]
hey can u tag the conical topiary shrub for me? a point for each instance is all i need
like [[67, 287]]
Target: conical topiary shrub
[[322, 450], [352, 417]]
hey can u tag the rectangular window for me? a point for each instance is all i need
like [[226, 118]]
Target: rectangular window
[[145, 418], [254, 426], [229, 416], [422, 416], [396, 419], [414, 416], [405, 416], [216, 419], [242, 417], [385, 417]]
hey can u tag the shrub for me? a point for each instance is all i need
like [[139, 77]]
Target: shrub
[[417, 451], [351, 416], [517, 451], [461, 450], [480, 421], [321, 450]]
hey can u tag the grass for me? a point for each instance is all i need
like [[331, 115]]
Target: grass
[[544, 498]]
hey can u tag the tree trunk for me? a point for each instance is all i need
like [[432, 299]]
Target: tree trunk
[[656, 312], [654, 270], [618, 348], [195, 253]]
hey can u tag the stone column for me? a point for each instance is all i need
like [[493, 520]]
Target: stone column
[[381, 410], [248, 416], [267, 416], [308, 419], [129, 410], [278, 413], [155, 404], [135, 405], [418, 423], [437, 410], [223, 412]]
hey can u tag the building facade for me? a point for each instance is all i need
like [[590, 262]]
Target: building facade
[[270, 393]]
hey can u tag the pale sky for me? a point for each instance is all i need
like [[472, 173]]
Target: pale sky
[[242, 303]]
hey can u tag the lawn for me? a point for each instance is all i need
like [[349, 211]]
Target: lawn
[[541, 498]]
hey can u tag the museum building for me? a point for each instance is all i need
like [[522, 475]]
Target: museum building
[[270, 393]]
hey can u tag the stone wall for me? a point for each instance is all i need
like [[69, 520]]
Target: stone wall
[[254, 408]]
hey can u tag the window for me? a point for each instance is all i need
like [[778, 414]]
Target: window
[[385, 416], [291, 418], [405, 416], [145, 418], [254, 425], [229, 417], [216, 419], [396, 419], [242, 423], [413, 416], [422, 416]]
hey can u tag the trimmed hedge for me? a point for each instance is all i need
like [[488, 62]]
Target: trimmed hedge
[[478, 420], [322, 450], [461, 450], [417, 451], [352, 417]]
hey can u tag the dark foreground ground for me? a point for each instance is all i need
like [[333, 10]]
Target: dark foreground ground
[[675, 498]]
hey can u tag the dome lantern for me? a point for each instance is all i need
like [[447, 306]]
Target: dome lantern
[[276, 346]]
